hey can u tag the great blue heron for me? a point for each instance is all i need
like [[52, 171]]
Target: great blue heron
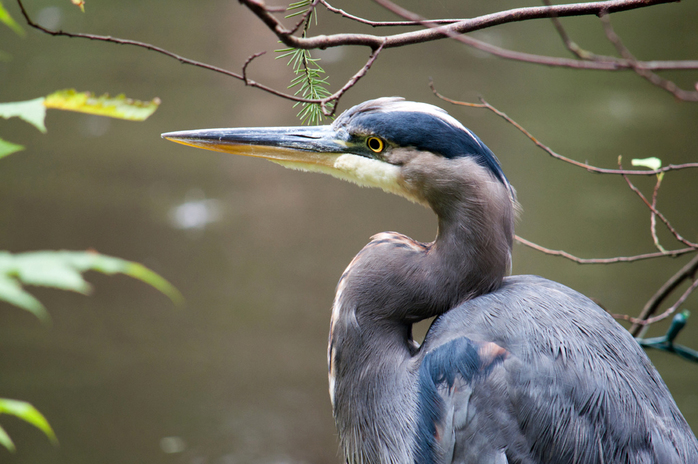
[[513, 369]]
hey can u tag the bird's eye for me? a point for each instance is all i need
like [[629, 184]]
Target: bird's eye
[[375, 144]]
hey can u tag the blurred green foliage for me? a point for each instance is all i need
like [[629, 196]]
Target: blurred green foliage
[[27, 413], [62, 269]]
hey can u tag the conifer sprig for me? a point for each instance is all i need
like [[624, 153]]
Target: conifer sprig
[[310, 81]]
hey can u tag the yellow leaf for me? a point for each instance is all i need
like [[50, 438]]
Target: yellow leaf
[[115, 107]]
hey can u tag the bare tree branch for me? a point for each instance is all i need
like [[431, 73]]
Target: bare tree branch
[[358, 19], [648, 75], [682, 299], [599, 62], [669, 311], [653, 217], [575, 49], [602, 64], [165, 52], [657, 213], [686, 272], [432, 32], [247, 63], [324, 102], [351, 82], [441, 31], [691, 247], [617, 259]]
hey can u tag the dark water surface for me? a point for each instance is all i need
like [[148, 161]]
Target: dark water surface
[[239, 376]]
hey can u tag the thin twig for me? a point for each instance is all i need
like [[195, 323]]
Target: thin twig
[[247, 63], [397, 40], [304, 21], [162, 51], [343, 13], [569, 44], [588, 61], [657, 213], [351, 82], [648, 75], [617, 259], [441, 31], [324, 102], [588, 167], [572, 46], [653, 217], [601, 63], [669, 311], [686, 272]]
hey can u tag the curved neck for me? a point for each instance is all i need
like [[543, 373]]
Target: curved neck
[[393, 282], [472, 249]]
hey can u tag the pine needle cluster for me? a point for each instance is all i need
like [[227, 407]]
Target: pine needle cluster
[[310, 81]]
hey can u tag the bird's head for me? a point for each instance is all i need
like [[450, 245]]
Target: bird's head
[[414, 150]]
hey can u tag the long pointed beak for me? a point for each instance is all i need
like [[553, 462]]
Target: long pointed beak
[[319, 149], [319, 145]]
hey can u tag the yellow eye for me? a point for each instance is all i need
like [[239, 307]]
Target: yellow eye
[[375, 144]]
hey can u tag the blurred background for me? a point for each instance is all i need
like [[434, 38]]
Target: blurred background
[[239, 374]]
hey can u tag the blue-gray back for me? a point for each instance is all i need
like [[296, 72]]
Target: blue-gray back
[[537, 373]]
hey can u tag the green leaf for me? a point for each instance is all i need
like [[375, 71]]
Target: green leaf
[[9, 22], [79, 3], [116, 107], [32, 111], [28, 413], [652, 163], [63, 270], [6, 441], [155, 280], [44, 268], [12, 292], [7, 148]]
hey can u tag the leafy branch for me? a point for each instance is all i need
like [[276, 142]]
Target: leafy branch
[[309, 74]]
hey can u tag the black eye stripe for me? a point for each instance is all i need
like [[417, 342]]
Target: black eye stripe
[[422, 131]]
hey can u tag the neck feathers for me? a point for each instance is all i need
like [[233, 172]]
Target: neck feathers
[[395, 281]]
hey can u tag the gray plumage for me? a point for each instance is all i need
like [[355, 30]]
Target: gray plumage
[[514, 370], [572, 387]]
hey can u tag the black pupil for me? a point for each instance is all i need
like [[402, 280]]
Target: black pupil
[[374, 144]]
